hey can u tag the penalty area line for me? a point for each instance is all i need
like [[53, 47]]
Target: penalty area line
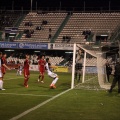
[[38, 106], [25, 94]]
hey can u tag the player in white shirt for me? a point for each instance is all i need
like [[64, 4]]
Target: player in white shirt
[[51, 74], [20, 69]]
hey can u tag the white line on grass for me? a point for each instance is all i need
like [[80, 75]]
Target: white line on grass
[[13, 78], [91, 78], [85, 81], [25, 94], [38, 106]]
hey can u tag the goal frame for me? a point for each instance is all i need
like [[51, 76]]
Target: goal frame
[[100, 72]]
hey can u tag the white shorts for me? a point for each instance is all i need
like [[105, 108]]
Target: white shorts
[[52, 75]]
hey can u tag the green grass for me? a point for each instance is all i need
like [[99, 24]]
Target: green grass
[[77, 104], [12, 100]]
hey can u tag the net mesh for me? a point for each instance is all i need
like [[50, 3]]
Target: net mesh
[[93, 74]]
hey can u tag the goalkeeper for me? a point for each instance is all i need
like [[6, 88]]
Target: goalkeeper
[[78, 71]]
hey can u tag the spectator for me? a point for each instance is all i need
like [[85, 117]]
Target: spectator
[[38, 28], [31, 31], [44, 22], [50, 30], [26, 31], [26, 23], [49, 37], [86, 33], [66, 38], [28, 35], [89, 32], [63, 38], [69, 38]]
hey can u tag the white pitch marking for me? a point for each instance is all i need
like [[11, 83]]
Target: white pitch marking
[[25, 94], [38, 106], [90, 79], [13, 78]]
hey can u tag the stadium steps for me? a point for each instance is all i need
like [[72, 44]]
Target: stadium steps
[[116, 33], [117, 36], [18, 22], [19, 35], [60, 28]]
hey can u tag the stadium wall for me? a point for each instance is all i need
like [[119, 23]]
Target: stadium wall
[[25, 45]]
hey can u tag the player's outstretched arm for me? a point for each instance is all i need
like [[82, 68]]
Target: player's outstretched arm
[[6, 67], [53, 66]]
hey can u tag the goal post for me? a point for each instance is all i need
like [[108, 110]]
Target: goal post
[[83, 78], [93, 67], [73, 66]]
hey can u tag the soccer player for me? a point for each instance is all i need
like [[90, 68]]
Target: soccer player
[[5, 62], [116, 78], [41, 66], [78, 71], [108, 71], [20, 68], [26, 71], [51, 74], [1, 74]]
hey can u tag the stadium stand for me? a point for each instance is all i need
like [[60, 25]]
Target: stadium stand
[[54, 60], [62, 27], [8, 19], [99, 23], [34, 60], [41, 24]]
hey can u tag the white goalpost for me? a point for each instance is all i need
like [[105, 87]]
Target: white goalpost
[[73, 66], [93, 67]]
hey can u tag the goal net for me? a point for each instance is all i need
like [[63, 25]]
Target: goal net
[[89, 64]]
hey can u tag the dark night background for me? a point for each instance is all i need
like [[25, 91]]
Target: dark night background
[[66, 4]]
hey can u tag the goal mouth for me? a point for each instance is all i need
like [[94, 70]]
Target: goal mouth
[[93, 76], [90, 84]]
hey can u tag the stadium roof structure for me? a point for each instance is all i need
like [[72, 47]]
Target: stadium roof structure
[[79, 4]]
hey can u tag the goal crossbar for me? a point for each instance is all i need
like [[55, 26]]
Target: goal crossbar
[[101, 74]]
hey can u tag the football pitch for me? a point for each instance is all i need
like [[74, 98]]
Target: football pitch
[[39, 102]]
